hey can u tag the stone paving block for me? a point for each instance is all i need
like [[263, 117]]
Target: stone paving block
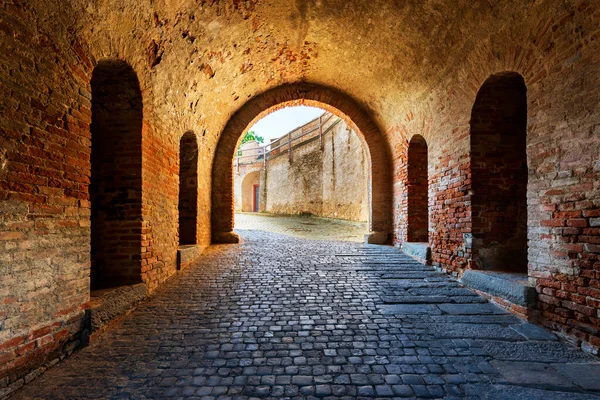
[[533, 332], [416, 299], [532, 374], [550, 352], [586, 376], [474, 331], [410, 309], [411, 275], [500, 319], [494, 392], [470, 309]]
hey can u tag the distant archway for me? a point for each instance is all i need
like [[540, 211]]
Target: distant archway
[[499, 173], [380, 189], [417, 191], [188, 188], [116, 180], [249, 198]]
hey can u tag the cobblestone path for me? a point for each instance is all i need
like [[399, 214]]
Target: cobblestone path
[[283, 317]]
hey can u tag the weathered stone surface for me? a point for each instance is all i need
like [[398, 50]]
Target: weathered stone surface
[[376, 238], [492, 392], [503, 285], [474, 331], [108, 304], [583, 375], [468, 309], [410, 309], [501, 319], [531, 350], [532, 374], [420, 251], [533, 332], [431, 299], [186, 254]]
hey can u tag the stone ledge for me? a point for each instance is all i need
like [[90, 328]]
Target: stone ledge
[[225, 238], [418, 250], [508, 286], [186, 254], [376, 238], [110, 304]]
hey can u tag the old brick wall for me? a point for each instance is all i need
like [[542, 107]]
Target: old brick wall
[[45, 117], [346, 170], [330, 182], [296, 187]]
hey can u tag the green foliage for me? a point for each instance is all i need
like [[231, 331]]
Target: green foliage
[[250, 136]]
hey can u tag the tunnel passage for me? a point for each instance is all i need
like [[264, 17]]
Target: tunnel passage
[[116, 176], [417, 189], [188, 188], [380, 186], [499, 174]]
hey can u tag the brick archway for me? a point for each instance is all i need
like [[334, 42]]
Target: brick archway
[[380, 186]]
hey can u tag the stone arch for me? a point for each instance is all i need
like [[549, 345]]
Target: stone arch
[[251, 179], [417, 191], [499, 174], [339, 104], [188, 188], [116, 175]]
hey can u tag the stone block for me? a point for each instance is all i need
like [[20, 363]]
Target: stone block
[[186, 254], [503, 285], [109, 304], [376, 238], [420, 251]]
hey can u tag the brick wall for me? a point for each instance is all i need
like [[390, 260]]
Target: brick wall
[[330, 182], [44, 176]]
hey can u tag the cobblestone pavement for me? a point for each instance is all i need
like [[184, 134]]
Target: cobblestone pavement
[[308, 227], [283, 317]]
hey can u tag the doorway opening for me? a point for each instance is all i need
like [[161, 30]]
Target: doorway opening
[[417, 190], [116, 179], [499, 174], [188, 188]]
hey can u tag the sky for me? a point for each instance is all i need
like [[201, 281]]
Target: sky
[[282, 121]]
